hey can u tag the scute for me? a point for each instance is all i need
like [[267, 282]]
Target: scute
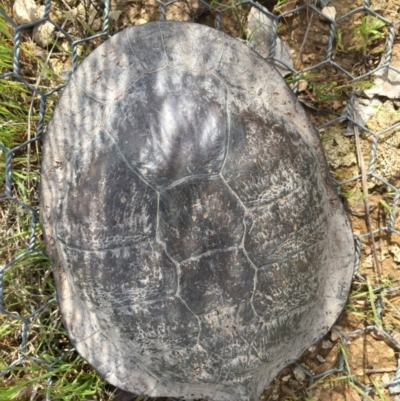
[[217, 278], [129, 212], [211, 219], [197, 244], [149, 123]]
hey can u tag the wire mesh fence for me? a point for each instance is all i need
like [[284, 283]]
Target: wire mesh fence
[[345, 72]]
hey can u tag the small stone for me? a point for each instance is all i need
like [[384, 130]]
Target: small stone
[[394, 389], [396, 336], [308, 57], [260, 31], [114, 15], [299, 374], [57, 65], [96, 24], [140, 21], [43, 34], [334, 335], [329, 12], [79, 50], [24, 11], [286, 378], [66, 46], [395, 251], [320, 358], [302, 87], [327, 344]]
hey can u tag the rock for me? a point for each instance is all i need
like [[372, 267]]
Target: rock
[[24, 11], [57, 65], [260, 33], [394, 389], [340, 150], [364, 109], [114, 15], [335, 335], [44, 32], [303, 84], [387, 81], [299, 374], [329, 12], [140, 21], [395, 251]]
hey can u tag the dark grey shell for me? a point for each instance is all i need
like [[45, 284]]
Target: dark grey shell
[[197, 244]]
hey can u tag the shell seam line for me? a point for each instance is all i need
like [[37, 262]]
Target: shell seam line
[[127, 163], [208, 177], [212, 252], [234, 193], [100, 249]]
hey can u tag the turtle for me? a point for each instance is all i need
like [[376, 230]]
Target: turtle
[[197, 241]]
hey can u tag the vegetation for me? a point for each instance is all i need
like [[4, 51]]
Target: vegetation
[[367, 33]]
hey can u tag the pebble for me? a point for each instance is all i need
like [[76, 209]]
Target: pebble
[[329, 12], [303, 84], [299, 374], [114, 15], [43, 33], [394, 389], [334, 335], [24, 11], [140, 21]]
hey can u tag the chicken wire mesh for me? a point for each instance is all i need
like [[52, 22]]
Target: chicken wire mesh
[[46, 43]]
